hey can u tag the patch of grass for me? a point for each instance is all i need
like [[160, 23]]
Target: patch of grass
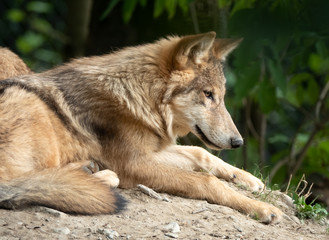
[[255, 217], [306, 211], [309, 211], [263, 195], [241, 186]]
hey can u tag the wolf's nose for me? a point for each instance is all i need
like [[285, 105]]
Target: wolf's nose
[[236, 142]]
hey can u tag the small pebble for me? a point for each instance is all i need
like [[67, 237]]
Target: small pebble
[[109, 233], [295, 219], [51, 211], [62, 230], [172, 227], [288, 200]]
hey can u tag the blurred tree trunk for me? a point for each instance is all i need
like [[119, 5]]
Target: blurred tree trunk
[[78, 18]]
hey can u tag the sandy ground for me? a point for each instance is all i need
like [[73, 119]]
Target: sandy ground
[[149, 218]]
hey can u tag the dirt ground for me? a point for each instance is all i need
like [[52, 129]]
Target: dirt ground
[[149, 218]]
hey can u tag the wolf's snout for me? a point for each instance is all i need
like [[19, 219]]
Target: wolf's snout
[[236, 142]]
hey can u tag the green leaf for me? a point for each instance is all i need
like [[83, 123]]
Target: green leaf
[[300, 141], [322, 49], [315, 62], [304, 87], [15, 15], [159, 6], [128, 9], [108, 10], [277, 75], [39, 7], [223, 3], [266, 96], [300, 94], [184, 4], [41, 25], [48, 56], [279, 138], [171, 7], [29, 42], [313, 91], [324, 146], [319, 64]]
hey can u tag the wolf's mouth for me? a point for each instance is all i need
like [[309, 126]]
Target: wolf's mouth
[[204, 138]]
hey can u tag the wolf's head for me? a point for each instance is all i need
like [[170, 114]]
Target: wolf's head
[[196, 90]]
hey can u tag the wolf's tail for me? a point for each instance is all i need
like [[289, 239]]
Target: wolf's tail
[[64, 189]]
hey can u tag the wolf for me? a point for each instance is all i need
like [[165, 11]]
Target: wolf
[[69, 135]]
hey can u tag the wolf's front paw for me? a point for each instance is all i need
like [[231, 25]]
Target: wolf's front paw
[[248, 180], [109, 177], [267, 213]]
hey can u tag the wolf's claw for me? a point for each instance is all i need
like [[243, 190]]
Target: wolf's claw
[[91, 168]]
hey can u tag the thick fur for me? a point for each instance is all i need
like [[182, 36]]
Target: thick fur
[[124, 111], [11, 65]]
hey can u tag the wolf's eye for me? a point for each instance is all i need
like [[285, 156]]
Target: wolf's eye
[[208, 94]]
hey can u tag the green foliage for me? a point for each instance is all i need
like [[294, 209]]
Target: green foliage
[[283, 69], [309, 211], [276, 73], [110, 6], [38, 42], [29, 42], [39, 7], [160, 6], [128, 9], [15, 15]]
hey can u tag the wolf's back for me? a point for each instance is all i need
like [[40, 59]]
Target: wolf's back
[[64, 189]]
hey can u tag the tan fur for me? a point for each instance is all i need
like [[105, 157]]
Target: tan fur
[[124, 111], [11, 65]]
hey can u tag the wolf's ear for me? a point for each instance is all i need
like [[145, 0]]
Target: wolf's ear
[[223, 46], [193, 49]]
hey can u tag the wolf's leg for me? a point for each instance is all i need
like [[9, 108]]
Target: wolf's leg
[[155, 173], [196, 159]]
